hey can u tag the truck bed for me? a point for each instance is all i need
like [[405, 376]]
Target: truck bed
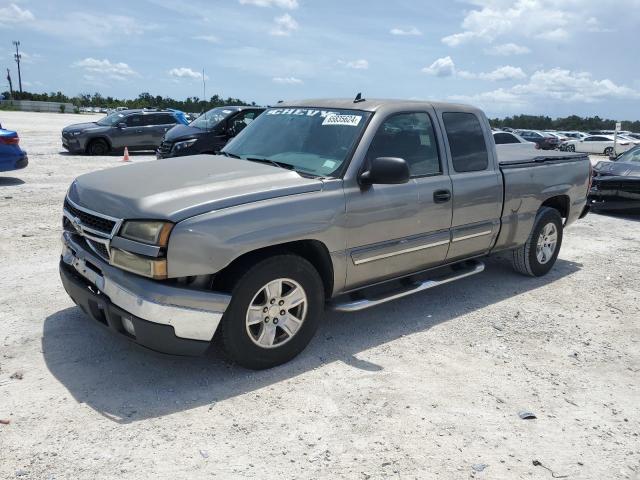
[[507, 159], [528, 179]]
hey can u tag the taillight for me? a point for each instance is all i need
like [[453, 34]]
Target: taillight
[[590, 177], [10, 140]]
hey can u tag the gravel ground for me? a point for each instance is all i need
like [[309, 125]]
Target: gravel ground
[[426, 387]]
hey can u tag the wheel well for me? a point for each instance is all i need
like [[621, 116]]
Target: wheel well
[[105, 139], [313, 251], [560, 203]]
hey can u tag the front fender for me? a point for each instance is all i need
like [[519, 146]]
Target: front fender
[[207, 243]]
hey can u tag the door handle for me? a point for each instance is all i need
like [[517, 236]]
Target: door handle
[[441, 196]]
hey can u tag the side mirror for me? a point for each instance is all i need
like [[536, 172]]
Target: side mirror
[[386, 170], [122, 125]]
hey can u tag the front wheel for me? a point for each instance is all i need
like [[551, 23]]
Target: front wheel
[[98, 147], [571, 148], [608, 151], [539, 253], [274, 312]]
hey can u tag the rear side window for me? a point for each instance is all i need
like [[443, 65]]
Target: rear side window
[[502, 138], [134, 120], [466, 142], [163, 119]]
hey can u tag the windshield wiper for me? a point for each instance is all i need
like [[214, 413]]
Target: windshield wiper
[[286, 166], [232, 155]]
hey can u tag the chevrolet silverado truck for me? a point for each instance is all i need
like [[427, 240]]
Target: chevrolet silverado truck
[[341, 204]]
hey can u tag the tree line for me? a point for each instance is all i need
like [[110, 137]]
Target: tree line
[[195, 104], [144, 100], [572, 122]]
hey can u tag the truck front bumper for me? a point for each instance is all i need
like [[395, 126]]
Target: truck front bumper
[[161, 317]]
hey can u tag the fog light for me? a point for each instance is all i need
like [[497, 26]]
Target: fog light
[[128, 326]]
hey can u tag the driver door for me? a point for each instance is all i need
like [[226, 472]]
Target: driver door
[[398, 229]]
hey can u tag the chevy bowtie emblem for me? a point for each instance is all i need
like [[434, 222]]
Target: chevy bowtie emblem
[[75, 221]]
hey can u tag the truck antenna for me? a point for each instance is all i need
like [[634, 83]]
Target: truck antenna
[[359, 98]]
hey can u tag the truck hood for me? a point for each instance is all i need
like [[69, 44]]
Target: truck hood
[[178, 188]]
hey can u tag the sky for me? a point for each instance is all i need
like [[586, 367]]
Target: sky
[[555, 58]]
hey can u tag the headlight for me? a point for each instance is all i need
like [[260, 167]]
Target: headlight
[[150, 232], [148, 267], [186, 144]]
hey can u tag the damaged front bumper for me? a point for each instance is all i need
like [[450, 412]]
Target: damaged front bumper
[[153, 314]]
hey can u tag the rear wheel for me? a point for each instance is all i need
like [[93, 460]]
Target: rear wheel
[[98, 147], [539, 253], [571, 148], [274, 312]]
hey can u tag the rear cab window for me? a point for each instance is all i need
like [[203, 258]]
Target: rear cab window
[[466, 142]]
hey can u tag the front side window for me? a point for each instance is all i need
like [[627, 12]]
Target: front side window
[[466, 142], [309, 140], [134, 120], [111, 120], [409, 136]]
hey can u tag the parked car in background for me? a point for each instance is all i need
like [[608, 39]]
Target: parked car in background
[[507, 141], [616, 184], [208, 133], [561, 138], [134, 129], [542, 139], [322, 203], [598, 144], [12, 157]]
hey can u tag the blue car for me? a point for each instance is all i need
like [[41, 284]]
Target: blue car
[[12, 157]]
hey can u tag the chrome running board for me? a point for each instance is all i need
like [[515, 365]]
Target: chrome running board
[[463, 270]]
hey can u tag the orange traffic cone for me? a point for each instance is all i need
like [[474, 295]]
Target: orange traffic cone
[[126, 155]]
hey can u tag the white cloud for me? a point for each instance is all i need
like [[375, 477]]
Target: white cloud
[[287, 80], [116, 71], [286, 4], [284, 25], [13, 14], [556, 85], [501, 73], [207, 38], [458, 38], [507, 49], [547, 20], [360, 64], [442, 67], [409, 31], [184, 72]]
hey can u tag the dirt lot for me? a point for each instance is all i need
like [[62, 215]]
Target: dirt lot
[[425, 387]]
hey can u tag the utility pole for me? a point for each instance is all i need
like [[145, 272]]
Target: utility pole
[[17, 56], [204, 92]]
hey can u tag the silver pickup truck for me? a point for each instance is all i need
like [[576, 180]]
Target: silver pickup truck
[[317, 204]]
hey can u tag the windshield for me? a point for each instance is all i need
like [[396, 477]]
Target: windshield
[[309, 140], [211, 118], [632, 155], [111, 120]]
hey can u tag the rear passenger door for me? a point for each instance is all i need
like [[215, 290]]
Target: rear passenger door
[[476, 183]]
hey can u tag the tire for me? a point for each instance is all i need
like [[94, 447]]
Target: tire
[[98, 147], [608, 151], [535, 258], [571, 148], [254, 337]]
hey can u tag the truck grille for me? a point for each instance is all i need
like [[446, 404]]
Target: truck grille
[[99, 248], [88, 220], [165, 147]]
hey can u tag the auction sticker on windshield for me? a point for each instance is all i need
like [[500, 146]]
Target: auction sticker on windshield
[[346, 120]]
